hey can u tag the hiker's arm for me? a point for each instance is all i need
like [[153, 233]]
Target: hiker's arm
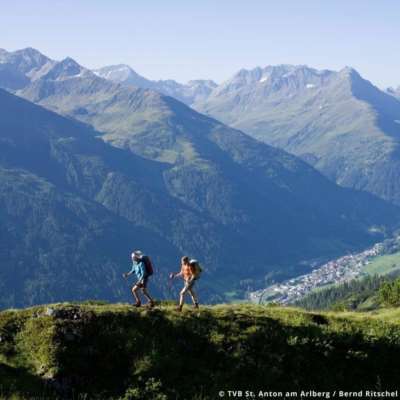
[[141, 270], [175, 274], [179, 274], [130, 272]]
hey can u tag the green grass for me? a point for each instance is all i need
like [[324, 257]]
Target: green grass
[[383, 265], [113, 351]]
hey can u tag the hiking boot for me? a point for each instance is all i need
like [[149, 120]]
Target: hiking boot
[[196, 305], [151, 304], [179, 308], [137, 304]]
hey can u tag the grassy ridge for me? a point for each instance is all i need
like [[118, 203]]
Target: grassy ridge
[[116, 352]]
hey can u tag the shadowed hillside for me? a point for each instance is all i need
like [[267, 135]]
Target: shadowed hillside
[[116, 352]]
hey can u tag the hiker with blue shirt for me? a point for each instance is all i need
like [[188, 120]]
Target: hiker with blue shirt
[[143, 269]]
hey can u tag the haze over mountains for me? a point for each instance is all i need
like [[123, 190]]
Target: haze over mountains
[[189, 93], [337, 121], [164, 178]]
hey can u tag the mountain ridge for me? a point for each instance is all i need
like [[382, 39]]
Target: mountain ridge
[[336, 121], [357, 108], [193, 90]]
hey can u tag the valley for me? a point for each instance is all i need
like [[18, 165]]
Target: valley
[[380, 259]]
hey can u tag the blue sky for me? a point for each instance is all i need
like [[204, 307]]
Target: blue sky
[[189, 39]]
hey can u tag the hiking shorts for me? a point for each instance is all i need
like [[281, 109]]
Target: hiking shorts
[[142, 283], [189, 285]]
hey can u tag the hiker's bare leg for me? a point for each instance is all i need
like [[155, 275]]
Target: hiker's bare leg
[[193, 296], [147, 295], [181, 296], [134, 293]]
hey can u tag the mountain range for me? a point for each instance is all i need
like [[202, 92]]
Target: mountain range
[[141, 169], [189, 93], [22, 67], [338, 122]]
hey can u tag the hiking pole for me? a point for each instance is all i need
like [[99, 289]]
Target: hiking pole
[[170, 281], [127, 282]]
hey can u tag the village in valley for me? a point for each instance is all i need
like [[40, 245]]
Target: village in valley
[[345, 268]]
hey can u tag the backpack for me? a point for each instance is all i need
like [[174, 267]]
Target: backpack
[[148, 265], [196, 269]]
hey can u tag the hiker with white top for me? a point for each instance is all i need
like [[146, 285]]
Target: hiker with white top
[[142, 267]]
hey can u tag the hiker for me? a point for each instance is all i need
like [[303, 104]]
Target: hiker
[[190, 272], [143, 269]]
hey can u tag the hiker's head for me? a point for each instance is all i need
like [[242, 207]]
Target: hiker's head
[[137, 255], [185, 260]]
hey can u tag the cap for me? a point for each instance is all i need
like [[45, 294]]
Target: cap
[[137, 253]]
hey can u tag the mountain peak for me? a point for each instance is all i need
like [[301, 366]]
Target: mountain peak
[[262, 74], [122, 73], [349, 72], [70, 62], [26, 59], [67, 68], [248, 74], [113, 68], [271, 78], [30, 50], [22, 67], [31, 54]]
